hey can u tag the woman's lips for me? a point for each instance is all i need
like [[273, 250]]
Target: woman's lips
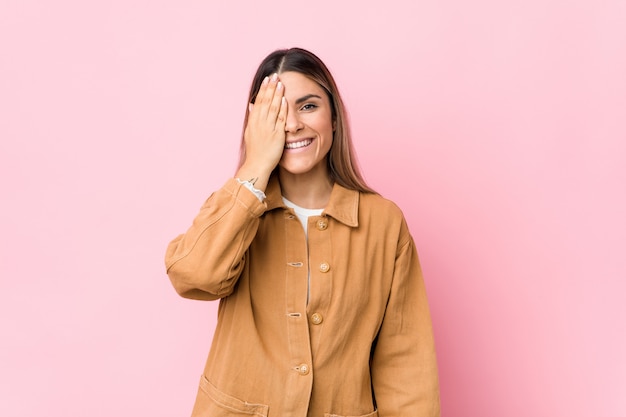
[[298, 144]]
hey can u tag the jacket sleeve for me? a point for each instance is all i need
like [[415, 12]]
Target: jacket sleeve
[[404, 365], [206, 262]]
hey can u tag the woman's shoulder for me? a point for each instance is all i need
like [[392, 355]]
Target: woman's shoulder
[[381, 209], [366, 209], [382, 217], [378, 203]]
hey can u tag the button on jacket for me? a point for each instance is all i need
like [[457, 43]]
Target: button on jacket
[[338, 327]]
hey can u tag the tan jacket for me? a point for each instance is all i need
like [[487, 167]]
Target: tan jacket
[[361, 345]]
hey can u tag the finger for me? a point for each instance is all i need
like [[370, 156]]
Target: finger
[[276, 103], [260, 94], [266, 93], [281, 120], [257, 99]]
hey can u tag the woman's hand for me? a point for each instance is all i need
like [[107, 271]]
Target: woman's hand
[[264, 135]]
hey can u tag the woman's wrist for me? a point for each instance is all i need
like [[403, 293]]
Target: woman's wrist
[[255, 176], [250, 186]]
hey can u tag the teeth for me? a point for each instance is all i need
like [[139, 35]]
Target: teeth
[[301, 144]]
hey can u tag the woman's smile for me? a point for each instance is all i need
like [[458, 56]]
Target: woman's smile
[[303, 143]]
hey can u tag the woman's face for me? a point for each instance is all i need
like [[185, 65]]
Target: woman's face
[[309, 126]]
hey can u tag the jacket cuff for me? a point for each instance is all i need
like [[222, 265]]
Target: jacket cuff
[[245, 197]]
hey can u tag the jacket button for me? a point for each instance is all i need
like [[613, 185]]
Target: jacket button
[[324, 267], [322, 225], [303, 369], [316, 318]]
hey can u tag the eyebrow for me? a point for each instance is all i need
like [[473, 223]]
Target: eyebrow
[[307, 97]]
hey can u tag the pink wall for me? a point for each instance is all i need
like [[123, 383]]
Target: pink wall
[[498, 126]]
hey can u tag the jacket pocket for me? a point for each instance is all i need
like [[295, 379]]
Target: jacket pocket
[[211, 402], [372, 414]]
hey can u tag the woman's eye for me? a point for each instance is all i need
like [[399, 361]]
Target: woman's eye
[[308, 107]]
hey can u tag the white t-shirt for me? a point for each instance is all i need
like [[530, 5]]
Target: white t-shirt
[[303, 213]]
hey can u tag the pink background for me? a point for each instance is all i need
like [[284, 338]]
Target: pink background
[[499, 127]]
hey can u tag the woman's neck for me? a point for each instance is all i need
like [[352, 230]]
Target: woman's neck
[[310, 190]]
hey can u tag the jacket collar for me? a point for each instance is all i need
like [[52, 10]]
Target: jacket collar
[[342, 206]]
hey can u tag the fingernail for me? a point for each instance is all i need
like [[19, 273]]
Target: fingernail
[[274, 77], [266, 80], [279, 86]]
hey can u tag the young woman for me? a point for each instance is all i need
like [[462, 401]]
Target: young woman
[[323, 311]]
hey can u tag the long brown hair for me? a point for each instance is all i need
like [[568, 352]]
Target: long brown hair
[[342, 162]]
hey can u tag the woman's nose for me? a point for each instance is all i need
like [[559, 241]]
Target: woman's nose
[[293, 122]]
